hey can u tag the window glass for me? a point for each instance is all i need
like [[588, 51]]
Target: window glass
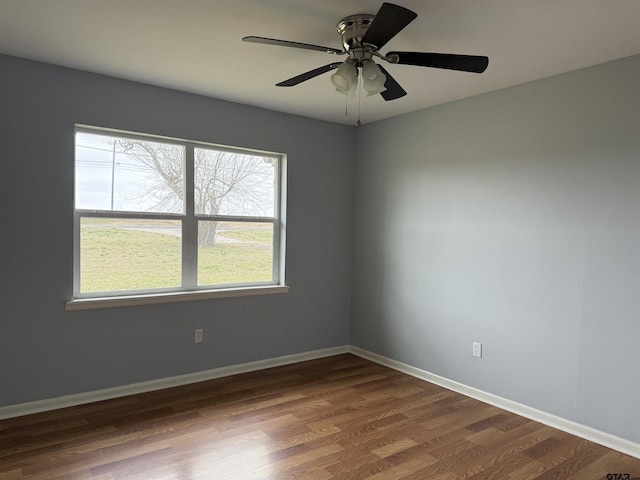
[[129, 254], [234, 252], [127, 174], [162, 215], [229, 183]]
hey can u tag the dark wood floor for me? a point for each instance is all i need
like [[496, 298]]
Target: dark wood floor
[[335, 418]]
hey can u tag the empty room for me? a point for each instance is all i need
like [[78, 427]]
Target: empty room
[[292, 239]]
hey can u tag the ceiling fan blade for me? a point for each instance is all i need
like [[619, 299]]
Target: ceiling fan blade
[[286, 43], [393, 88], [303, 77], [465, 63], [389, 20]]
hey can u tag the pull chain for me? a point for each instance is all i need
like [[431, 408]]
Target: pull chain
[[358, 123], [346, 102]]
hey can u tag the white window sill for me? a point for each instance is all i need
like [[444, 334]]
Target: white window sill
[[150, 299]]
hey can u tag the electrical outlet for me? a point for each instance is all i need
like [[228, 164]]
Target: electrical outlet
[[477, 349], [199, 335]]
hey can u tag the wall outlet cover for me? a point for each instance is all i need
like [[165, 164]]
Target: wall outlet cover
[[199, 335], [477, 349]]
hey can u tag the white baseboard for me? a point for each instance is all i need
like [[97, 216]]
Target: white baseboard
[[588, 433], [162, 383]]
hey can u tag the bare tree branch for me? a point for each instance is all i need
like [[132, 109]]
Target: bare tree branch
[[225, 183]]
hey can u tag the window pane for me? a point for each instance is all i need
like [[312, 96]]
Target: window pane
[[234, 252], [228, 183], [123, 174], [129, 254]]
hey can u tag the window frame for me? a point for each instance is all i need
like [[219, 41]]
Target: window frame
[[189, 288]]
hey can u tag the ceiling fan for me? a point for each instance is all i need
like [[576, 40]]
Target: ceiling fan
[[362, 37]]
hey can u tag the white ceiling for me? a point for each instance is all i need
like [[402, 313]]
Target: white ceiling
[[195, 45]]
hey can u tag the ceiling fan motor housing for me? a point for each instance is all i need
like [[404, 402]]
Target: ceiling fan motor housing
[[352, 30]]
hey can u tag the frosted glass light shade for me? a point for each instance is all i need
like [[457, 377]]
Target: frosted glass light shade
[[346, 78], [372, 78]]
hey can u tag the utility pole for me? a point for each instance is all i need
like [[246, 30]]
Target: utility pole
[[113, 169]]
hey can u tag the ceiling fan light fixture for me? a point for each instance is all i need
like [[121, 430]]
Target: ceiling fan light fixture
[[374, 92], [345, 77], [351, 91], [373, 79]]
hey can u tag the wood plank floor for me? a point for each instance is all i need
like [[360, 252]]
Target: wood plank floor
[[341, 417]]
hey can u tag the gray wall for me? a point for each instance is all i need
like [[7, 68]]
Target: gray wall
[[46, 352], [510, 218]]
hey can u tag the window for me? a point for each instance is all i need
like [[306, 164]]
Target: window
[[157, 215]]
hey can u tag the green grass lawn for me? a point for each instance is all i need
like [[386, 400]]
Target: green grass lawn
[[260, 235], [119, 259]]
